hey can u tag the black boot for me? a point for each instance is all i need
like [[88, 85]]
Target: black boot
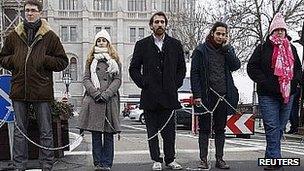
[[221, 164], [203, 164]]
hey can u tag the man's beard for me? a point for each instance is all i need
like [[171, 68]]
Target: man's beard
[[159, 31]]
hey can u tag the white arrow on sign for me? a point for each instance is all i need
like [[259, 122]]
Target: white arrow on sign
[[240, 123], [6, 97]]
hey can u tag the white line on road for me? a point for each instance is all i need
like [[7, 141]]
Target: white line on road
[[185, 151]]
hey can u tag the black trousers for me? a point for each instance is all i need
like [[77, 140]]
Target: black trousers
[[154, 122], [219, 123]]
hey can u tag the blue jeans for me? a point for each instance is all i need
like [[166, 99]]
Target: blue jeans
[[20, 145], [103, 152], [275, 115], [294, 114]]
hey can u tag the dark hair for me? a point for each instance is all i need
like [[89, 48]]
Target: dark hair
[[160, 13], [34, 2], [218, 24]]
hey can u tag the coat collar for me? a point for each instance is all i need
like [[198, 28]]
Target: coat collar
[[44, 28]]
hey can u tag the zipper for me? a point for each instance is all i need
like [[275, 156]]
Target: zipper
[[29, 51]]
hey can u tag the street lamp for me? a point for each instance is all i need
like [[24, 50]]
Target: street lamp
[[67, 81]]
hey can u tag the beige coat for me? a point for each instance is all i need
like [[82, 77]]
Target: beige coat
[[93, 115]]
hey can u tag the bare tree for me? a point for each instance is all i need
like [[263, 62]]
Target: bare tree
[[248, 20], [188, 26]]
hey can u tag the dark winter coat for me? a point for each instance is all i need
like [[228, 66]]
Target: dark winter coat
[[260, 71], [32, 66], [162, 73], [93, 115], [200, 80]]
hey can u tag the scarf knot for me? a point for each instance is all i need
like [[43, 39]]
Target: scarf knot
[[102, 54]]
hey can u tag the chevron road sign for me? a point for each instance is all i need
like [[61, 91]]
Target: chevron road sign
[[6, 107], [240, 124]]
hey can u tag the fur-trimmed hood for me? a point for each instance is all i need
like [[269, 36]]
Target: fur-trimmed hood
[[44, 28]]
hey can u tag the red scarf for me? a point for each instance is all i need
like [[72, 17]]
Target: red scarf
[[283, 63]]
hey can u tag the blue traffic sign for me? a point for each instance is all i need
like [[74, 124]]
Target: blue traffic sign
[[6, 105]]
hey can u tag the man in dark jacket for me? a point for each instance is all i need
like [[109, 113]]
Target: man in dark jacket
[[32, 51], [161, 59], [211, 67]]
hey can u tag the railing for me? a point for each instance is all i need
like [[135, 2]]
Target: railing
[[98, 14], [69, 14], [137, 15]]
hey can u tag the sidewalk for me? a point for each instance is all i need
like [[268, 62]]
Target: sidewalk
[[259, 128]]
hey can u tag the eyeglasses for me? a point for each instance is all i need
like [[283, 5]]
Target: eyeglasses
[[31, 10], [102, 40], [161, 21]]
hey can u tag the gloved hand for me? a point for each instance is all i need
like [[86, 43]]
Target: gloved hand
[[99, 99]]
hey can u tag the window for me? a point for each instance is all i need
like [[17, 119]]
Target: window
[[141, 33], [102, 5], [64, 34], [170, 5], [99, 28], [137, 5], [68, 4], [132, 34], [68, 33], [108, 29], [73, 34], [136, 34], [73, 68]]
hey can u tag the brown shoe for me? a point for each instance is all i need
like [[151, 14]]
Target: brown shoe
[[203, 164], [221, 164]]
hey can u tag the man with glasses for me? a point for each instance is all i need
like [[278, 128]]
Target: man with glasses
[[158, 68], [32, 51]]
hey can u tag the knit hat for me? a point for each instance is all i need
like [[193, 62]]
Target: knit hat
[[277, 22], [103, 33]]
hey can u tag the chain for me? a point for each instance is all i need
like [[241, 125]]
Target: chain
[[159, 131], [48, 148]]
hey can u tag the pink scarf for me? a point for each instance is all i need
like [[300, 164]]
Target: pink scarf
[[283, 63]]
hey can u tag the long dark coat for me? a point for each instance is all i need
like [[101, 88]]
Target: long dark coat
[[32, 66], [260, 71], [163, 71], [200, 76], [92, 114]]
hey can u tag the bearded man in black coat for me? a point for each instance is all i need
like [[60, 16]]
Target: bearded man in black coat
[[158, 68]]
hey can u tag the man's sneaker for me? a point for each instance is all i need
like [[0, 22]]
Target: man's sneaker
[[221, 164], [157, 166], [203, 164], [174, 166], [98, 168], [106, 168]]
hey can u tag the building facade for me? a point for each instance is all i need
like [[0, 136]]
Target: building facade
[[77, 22]]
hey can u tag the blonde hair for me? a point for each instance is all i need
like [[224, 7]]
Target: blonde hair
[[112, 52]]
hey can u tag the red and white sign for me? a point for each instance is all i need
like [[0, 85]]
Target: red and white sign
[[240, 124]]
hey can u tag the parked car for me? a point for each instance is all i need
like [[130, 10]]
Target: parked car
[[137, 115], [183, 115]]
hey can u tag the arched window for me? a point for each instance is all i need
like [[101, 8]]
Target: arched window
[[73, 68]]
